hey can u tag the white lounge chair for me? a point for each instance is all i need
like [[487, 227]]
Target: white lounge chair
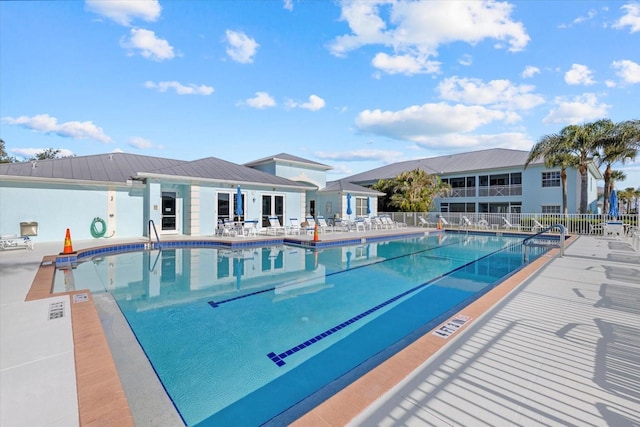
[[483, 224], [444, 222], [15, 242], [510, 226], [229, 228], [311, 223], [250, 228], [274, 226], [425, 223], [324, 227], [537, 227], [466, 223]]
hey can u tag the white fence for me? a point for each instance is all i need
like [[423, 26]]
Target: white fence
[[574, 223]]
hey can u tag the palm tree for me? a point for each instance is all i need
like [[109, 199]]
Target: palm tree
[[554, 149], [621, 145], [584, 142], [412, 191]]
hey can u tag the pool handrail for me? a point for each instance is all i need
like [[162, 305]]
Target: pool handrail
[[151, 223], [528, 241]]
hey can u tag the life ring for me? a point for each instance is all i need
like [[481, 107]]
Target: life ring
[[94, 230]]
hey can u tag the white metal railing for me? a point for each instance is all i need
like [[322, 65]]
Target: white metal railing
[[529, 222]]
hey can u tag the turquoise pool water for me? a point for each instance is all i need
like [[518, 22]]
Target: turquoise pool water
[[239, 337]]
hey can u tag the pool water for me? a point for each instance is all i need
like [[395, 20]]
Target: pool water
[[238, 337]]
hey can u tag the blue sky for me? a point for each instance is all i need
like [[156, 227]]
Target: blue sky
[[354, 85]]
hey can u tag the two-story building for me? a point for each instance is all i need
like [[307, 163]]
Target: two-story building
[[495, 181]]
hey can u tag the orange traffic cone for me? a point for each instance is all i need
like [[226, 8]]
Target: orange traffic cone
[[439, 224], [68, 248], [316, 237]]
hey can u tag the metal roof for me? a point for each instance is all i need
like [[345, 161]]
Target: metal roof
[[284, 157], [221, 170], [494, 158], [112, 167], [346, 186], [121, 167]]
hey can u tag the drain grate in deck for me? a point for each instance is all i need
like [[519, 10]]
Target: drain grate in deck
[[56, 310]]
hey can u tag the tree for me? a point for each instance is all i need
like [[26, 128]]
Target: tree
[[4, 157], [620, 145], [47, 153], [584, 142], [412, 191], [555, 151]]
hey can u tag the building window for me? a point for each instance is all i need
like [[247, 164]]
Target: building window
[[361, 206], [550, 209], [551, 179]]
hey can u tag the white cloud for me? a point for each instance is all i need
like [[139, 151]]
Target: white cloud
[[629, 71], [404, 64], [288, 5], [577, 110], [241, 48], [416, 123], [123, 12], [498, 93], [466, 60], [46, 124], [579, 75], [148, 45], [315, 103], [413, 31], [631, 19], [530, 71], [141, 143], [190, 89], [458, 142], [261, 100]]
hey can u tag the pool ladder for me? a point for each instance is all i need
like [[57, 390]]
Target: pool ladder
[[150, 244]]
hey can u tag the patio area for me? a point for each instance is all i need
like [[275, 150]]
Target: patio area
[[559, 344]]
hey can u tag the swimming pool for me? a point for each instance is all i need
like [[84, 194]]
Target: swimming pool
[[237, 337]]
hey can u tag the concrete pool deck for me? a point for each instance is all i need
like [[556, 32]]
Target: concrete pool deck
[[563, 347]]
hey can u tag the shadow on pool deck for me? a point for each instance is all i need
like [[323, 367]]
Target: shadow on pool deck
[[562, 349]]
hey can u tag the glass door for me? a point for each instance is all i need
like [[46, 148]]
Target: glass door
[[169, 212]]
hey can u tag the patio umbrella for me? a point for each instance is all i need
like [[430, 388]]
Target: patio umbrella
[[368, 205], [349, 211], [613, 204], [239, 211]]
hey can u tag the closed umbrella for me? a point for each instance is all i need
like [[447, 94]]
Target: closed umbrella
[[613, 204], [349, 211], [368, 205], [239, 211]]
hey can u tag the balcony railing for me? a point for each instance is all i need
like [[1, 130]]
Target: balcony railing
[[493, 191]]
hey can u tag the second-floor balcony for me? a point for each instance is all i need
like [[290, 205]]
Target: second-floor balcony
[[491, 191]]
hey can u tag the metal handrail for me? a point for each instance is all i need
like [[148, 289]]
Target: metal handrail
[[527, 242], [151, 223]]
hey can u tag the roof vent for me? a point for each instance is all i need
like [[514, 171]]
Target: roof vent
[[33, 164], [110, 156]]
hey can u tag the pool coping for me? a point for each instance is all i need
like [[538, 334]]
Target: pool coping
[[101, 396]]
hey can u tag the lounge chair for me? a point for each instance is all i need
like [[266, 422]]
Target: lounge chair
[[297, 228], [359, 224], [510, 226], [466, 223], [229, 228], [311, 223], [250, 228], [274, 227], [597, 228], [15, 242], [425, 223], [537, 227], [483, 224], [445, 223], [322, 224]]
